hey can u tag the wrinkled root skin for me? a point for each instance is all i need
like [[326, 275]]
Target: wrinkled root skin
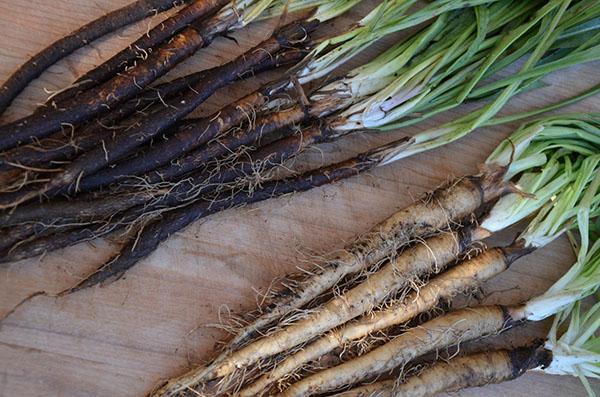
[[461, 278], [270, 126], [51, 242], [189, 138], [163, 118], [49, 239], [95, 210], [85, 208], [474, 370], [102, 98], [125, 86], [441, 332], [428, 257], [446, 206], [436, 211], [180, 218], [62, 145], [108, 23]]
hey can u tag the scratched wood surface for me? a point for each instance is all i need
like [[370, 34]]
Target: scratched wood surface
[[122, 339]]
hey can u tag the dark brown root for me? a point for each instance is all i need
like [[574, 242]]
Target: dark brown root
[[66, 144], [86, 208], [173, 221], [516, 250], [268, 128], [108, 23], [98, 206], [195, 136], [163, 118], [56, 239], [42, 177], [11, 236], [131, 82], [91, 103], [139, 49]]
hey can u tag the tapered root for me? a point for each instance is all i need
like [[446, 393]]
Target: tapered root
[[451, 329], [464, 277], [437, 211], [138, 50], [474, 370], [115, 20], [430, 256]]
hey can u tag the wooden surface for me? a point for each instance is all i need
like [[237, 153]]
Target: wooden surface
[[121, 339]]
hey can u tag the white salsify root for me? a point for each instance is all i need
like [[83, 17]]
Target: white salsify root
[[474, 370], [363, 299], [427, 257], [448, 330], [446, 206], [575, 353], [463, 325], [465, 276]]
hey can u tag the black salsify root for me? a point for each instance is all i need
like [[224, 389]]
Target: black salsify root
[[65, 145], [97, 206], [271, 126], [148, 239], [88, 208], [10, 197], [48, 238], [194, 135], [163, 118], [102, 26], [29, 240], [131, 82], [195, 12], [129, 207], [11, 236], [51, 240], [267, 130], [241, 173]]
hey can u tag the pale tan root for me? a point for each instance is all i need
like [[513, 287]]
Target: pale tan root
[[384, 388], [470, 371], [450, 329], [436, 211], [465, 276], [430, 256]]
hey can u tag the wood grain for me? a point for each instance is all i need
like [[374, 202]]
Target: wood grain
[[124, 338]]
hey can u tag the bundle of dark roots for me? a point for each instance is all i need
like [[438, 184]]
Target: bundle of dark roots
[[118, 155], [144, 170]]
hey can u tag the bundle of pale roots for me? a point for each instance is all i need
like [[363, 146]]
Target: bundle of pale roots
[[368, 313]]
